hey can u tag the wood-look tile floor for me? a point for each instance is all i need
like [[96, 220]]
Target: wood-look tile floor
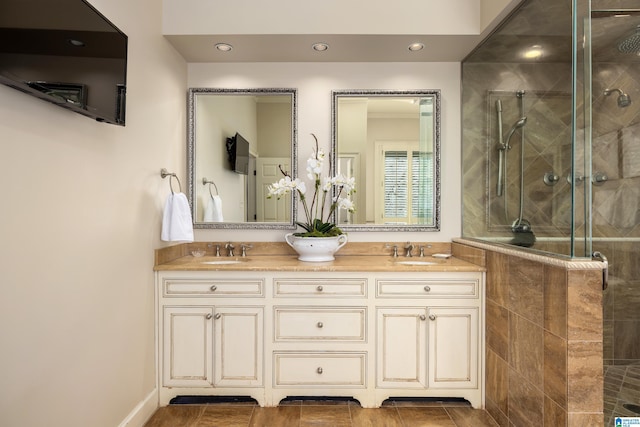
[[304, 413]]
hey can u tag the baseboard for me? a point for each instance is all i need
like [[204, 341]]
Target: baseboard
[[142, 412]]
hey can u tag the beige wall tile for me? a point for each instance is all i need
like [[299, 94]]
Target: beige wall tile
[[526, 349], [585, 377], [497, 381], [497, 325], [554, 415], [584, 312], [526, 402], [555, 300], [555, 369], [526, 289], [498, 278]]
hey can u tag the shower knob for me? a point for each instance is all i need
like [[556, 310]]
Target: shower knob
[[551, 178], [599, 178]]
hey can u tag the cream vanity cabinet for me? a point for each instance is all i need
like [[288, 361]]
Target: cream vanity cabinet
[[273, 334], [429, 334], [210, 334]]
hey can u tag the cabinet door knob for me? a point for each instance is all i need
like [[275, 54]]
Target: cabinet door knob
[[423, 317], [208, 316], [213, 288], [427, 288], [432, 317], [218, 315], [319, 370], [320, 324], [319, 288]]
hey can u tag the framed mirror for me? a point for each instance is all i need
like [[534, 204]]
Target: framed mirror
[[389, 141], [237, 141]]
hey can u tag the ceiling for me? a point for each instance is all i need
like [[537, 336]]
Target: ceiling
[[342, 48]]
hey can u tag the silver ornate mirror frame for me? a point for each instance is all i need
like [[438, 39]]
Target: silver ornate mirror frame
[[193, 180], [337, 95]]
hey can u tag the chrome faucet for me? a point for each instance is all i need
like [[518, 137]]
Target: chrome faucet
[[408, 249], [229, 247]]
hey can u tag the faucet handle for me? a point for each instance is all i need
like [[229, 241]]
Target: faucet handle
[[244, 248], [395, 249]]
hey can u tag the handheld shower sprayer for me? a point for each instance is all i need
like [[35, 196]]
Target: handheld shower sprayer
[[517, 125]]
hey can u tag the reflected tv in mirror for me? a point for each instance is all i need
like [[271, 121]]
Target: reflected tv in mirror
[[67, 53], [238, 151]]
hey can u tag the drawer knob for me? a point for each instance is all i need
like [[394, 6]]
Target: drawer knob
[[432, 317], [319, 288], [423, 317], [208, 316], [218, 315], [427, 288], [319, 370], [213, 288], [320, 324]]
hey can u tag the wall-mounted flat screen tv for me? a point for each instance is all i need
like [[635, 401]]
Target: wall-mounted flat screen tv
[[67, 53], [238, 154]]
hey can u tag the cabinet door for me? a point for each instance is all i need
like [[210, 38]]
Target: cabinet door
[[187, 356], [401, 348], [453, 347], [238, 346]]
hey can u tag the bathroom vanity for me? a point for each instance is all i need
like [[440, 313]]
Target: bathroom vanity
[[362, 326]]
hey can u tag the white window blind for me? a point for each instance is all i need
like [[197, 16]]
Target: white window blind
[[407, 196]]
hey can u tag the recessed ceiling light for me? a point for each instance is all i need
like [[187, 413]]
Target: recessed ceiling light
[[534, 52], [224, 47], [76, 43], [414, 47], [320, 47]]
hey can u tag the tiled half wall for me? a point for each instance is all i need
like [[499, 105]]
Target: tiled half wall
[[543, 337]]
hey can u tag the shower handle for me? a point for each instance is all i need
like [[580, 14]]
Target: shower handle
[[597, 255]]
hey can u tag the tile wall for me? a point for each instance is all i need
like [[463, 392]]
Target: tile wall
[[543, 338]]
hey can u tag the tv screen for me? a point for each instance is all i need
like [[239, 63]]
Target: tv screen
[[238, 152], [67, 53]]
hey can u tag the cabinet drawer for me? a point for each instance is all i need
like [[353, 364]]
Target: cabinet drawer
[[313, 369], [439, 288], [213, 287], [320, 324], [320, 287]]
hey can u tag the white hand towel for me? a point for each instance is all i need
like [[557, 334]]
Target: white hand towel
[[213, 211], [176, 220]]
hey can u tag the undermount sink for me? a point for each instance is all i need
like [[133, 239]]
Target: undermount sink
[[412, 262], [223, 262]]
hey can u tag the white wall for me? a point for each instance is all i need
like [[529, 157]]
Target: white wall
[[327, 17], [315, 82], [81, 217]]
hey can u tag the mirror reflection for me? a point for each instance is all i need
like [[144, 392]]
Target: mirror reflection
[[389, 141], [237, 139]]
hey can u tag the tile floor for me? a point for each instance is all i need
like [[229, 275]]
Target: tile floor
[[621, 387], [331, 413]]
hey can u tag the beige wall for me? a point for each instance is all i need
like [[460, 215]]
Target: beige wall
[[81, 216], [314, 82]]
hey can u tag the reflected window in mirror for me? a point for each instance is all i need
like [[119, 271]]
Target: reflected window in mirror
[[389, 141], [237, 142]]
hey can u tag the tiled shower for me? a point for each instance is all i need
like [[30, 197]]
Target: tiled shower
[[607, 154]]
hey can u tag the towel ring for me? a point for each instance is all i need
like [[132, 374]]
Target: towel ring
[[164, 173], [205, 182]]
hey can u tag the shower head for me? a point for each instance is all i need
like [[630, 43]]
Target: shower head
[[624, 100], [631, 44], [517, 125]]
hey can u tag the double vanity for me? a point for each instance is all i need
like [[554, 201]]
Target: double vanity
[[368, 325]]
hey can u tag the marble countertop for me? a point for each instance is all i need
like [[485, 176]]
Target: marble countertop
[[291, 263]]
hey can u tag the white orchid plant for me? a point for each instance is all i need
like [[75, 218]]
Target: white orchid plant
[[317, 225]]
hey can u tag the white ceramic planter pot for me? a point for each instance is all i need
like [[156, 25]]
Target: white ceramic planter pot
[[316, 249]]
